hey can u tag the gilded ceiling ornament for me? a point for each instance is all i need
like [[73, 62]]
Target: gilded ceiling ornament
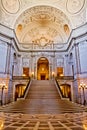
[[74, 6], [42, 25], [42, 12], [42, 41], [11, 6]]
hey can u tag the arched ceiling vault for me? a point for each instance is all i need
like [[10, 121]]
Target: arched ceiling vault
[[42, 24], [42, 21]]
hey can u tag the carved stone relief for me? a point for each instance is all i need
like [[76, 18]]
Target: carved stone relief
[[42, 26], [39, 12], [45, 17], [74, 6], [11, 6]]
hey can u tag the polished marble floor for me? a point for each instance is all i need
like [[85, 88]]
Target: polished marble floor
[[67, 121]]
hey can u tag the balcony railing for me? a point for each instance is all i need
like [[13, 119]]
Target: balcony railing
[[20, 77], [65, 77], [23, 90]]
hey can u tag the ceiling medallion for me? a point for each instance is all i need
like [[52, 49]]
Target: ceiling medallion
[[11, 6], [74, 6]]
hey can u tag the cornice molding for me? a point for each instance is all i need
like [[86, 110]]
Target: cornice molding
[[70, 41]]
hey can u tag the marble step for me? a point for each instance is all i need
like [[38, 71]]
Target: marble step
[[43, 98]]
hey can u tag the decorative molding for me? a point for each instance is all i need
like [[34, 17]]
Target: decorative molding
[[74, 6], [11, 6], [42, 25], [58, 46], [42, 12]]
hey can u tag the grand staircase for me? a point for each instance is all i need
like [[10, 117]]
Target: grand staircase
[[43, 98]]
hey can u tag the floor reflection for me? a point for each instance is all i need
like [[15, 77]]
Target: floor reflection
[[2, 119], [67, 121]]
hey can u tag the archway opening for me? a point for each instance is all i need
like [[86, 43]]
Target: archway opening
[[19, 90], [66, 90], [43, 69]]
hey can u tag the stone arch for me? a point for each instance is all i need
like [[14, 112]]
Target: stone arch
[[41, 16]]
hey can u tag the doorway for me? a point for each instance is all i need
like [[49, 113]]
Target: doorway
[[43, 69], [66, 90], [19, 90], [43, 77]]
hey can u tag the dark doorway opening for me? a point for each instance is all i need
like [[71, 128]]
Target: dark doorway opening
[[42, 77]]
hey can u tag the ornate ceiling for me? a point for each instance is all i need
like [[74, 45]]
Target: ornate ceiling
[[43, 22], [42, 25]]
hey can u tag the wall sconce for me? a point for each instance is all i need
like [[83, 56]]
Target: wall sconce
[[83, 87]]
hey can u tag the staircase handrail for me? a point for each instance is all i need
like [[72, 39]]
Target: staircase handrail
[[59, 88], [28, 84], [27, 89]]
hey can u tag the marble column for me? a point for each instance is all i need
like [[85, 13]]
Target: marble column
[[77, 59], [8, 59]]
